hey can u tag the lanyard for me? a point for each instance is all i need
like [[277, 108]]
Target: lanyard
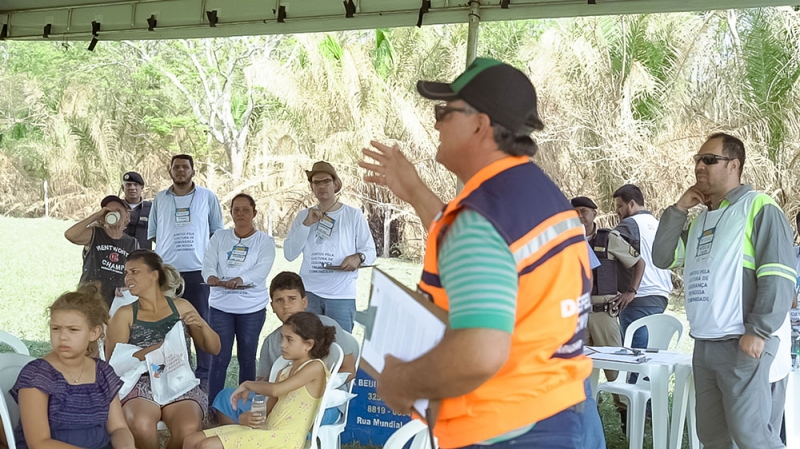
[[191, 202]]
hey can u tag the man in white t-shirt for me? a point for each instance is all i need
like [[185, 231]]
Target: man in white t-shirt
[[182, 220], [335, 241], [638, 226]]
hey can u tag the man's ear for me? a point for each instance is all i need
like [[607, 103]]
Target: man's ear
[[484, 124]]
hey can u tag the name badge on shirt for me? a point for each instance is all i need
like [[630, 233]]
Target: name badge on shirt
[[183, 216], [704, 244], [325, 228], [238, 255]]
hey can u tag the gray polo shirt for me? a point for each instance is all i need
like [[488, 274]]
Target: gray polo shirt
[[271, 349]]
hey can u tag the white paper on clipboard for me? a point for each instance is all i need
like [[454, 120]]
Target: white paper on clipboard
[[402, 327]]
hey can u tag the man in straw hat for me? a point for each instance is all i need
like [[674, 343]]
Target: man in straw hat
[[335, 241]]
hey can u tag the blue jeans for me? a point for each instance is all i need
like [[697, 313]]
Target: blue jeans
[[594, 438], [641, 336], [564, 430], [246, 327], [197, 295], [343, 311], [222, 404]]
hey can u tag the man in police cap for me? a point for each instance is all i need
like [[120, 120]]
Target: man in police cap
[[132, 187], [507, 258], [608, 295]]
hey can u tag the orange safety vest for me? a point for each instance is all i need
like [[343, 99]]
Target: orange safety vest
[[546, 368]]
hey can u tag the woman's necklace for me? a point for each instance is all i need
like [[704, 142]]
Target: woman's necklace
[[247, 234], [75, 379]]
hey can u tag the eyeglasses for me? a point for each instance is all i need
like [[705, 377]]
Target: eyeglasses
[[441, 111], [710, 159], [322, 182]]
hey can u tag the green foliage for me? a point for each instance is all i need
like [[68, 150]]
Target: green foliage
[[384, 53], [771, 69], [331, 48]]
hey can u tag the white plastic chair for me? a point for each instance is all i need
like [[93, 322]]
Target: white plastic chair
[[330, 434], [415, 431], [336, 358], [16, 344], [662, 328], [10, 366]]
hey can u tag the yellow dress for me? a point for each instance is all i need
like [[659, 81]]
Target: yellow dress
[[287, 425]]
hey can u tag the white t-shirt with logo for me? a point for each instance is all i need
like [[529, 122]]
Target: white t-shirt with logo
[[251, 258], [341, 233], [182, 226]]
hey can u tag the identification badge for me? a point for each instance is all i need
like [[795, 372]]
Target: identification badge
[[704, 244], [237, 255], [183, 216], [325, 228]]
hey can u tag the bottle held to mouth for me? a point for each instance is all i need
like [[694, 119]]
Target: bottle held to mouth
[[112, 218]]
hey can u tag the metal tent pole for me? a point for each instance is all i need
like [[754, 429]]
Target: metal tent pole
[[474, 28], [472, 47]]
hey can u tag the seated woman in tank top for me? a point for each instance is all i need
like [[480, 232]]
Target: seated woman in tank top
[[145, 323]]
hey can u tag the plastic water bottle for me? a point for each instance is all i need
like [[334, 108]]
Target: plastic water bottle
[[795, 351], [259, 407]]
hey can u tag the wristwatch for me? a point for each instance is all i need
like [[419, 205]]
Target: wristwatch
[[362, 257], [631, 289]]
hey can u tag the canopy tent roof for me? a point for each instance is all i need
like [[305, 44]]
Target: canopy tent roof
[[128, 19]]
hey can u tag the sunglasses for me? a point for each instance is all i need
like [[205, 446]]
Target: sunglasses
[[710, 159], [441, 111]]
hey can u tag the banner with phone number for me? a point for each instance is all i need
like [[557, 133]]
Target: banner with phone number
[[370, 420]]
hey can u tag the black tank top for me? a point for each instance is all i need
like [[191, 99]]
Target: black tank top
[[104, 260]]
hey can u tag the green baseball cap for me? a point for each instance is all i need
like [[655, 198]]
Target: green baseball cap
[[494, 88]]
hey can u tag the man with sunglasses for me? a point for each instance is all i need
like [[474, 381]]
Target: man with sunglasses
[[507, 258], [335, 241], [739, 277]]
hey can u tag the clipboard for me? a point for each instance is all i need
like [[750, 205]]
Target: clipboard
[[339, 267], [241, 287], [390, 303]]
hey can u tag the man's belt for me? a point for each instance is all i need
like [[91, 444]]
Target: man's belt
[[610, 307]]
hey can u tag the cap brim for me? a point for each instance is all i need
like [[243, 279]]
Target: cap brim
[[436, 91]]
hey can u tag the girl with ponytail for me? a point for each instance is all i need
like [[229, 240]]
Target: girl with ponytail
[[294, 399]]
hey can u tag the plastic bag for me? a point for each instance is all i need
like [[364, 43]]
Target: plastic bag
[[128, 368], [171, 374], [120, 301]]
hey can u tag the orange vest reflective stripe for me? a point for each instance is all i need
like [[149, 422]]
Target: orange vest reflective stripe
[[546, 367]]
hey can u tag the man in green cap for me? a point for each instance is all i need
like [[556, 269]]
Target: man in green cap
[[508, 260]]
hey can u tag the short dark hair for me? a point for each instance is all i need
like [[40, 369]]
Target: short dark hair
[[182, 156], [630, 192], [731, 146], [513, 144], [286, 280], [508, 141], [245, 196]]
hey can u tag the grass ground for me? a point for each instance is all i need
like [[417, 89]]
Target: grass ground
[[39, 264]]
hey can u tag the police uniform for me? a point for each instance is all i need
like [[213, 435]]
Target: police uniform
[[615, 254], [140, 213]]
